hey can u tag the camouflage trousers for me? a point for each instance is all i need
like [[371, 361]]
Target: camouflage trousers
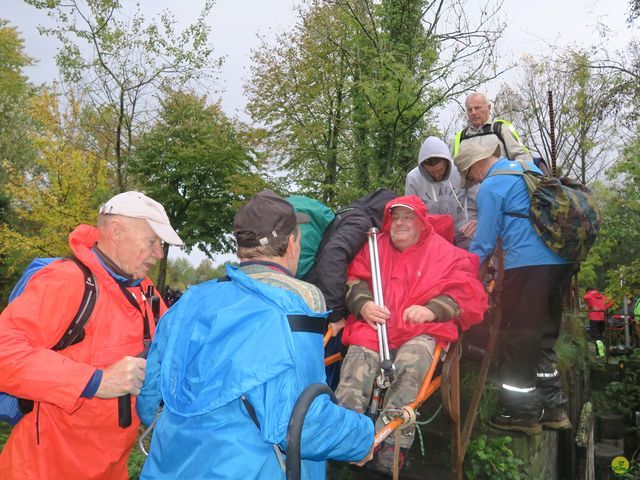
[[360, 368]]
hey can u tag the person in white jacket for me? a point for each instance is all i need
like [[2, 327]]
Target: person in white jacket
[[437, 182]]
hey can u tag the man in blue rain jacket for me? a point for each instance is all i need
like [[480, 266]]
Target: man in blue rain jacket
[[228, 347]]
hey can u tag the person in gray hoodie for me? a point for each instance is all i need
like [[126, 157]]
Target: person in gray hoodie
[[437, 182]]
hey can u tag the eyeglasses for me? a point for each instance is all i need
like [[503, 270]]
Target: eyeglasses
[[433, 161]]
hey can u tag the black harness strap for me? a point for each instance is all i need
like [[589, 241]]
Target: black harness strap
[[124, 401], [250, 410], [75, 331], [252, 413], [488, 129], [299, 323], [516, 214], [146, 328], [307, 324]]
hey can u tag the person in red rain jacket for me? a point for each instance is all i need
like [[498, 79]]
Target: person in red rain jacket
[[597, 305], [431, 290], [73, 430]]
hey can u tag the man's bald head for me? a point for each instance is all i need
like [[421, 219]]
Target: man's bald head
[[478, 109]]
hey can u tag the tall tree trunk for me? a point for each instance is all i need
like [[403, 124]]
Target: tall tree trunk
[[120, 167], [332, 154]]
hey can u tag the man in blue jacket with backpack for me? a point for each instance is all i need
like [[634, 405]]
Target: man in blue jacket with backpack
[[535, 280]]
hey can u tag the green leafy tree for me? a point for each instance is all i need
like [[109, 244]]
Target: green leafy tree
[[300, 89], [62, 188], [197, 163], [588, 107], [15, 148], [617, 250], [15, 91], [347, 95], [121, 62]]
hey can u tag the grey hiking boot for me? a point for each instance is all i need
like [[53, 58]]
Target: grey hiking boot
[[513, 423], [555, 419]]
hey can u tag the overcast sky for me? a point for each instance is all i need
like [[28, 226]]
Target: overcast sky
[[532, 26]]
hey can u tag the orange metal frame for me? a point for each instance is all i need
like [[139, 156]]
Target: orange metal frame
[[429, 386]]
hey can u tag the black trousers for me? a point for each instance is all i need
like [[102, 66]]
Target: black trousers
[[596, 329], [531, 316]]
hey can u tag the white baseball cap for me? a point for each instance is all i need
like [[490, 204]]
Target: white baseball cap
[[138, 205]]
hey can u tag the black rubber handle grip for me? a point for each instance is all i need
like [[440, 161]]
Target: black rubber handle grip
[[124, 411]]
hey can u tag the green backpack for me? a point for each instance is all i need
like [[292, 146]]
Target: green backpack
[[321, 216], [563, 212]]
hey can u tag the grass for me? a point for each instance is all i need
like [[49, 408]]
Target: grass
[[5, 430]]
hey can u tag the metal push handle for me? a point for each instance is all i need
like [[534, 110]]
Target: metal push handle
[[386, 365]]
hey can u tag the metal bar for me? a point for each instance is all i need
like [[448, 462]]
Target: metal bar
[[331, 359], [383, 344], [454, 378], [625, 311]]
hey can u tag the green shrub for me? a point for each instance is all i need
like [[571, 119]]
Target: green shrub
[[623, 396], [487, 459]]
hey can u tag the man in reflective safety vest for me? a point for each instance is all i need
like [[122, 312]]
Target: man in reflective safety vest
[[481, 124]]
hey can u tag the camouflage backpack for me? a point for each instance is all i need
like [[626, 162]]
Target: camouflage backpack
[[563, 212]]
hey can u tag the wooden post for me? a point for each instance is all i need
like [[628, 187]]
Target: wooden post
[[457, 452], [494, 330], [552, 134], [585, 440]]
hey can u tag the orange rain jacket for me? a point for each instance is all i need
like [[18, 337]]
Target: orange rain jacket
[[67, 436]]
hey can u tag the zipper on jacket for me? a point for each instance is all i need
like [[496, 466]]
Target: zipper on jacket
[[38, 424]]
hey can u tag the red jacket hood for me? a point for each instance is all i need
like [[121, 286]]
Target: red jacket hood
[[430, 267], [597, 304], [441, 224], [81, 241]]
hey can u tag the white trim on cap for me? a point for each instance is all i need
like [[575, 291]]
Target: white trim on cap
[[402, 205]]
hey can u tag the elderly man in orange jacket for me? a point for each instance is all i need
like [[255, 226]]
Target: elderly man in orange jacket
[[73, 430]]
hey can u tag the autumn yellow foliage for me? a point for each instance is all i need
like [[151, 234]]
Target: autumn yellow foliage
[[63, 187]]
